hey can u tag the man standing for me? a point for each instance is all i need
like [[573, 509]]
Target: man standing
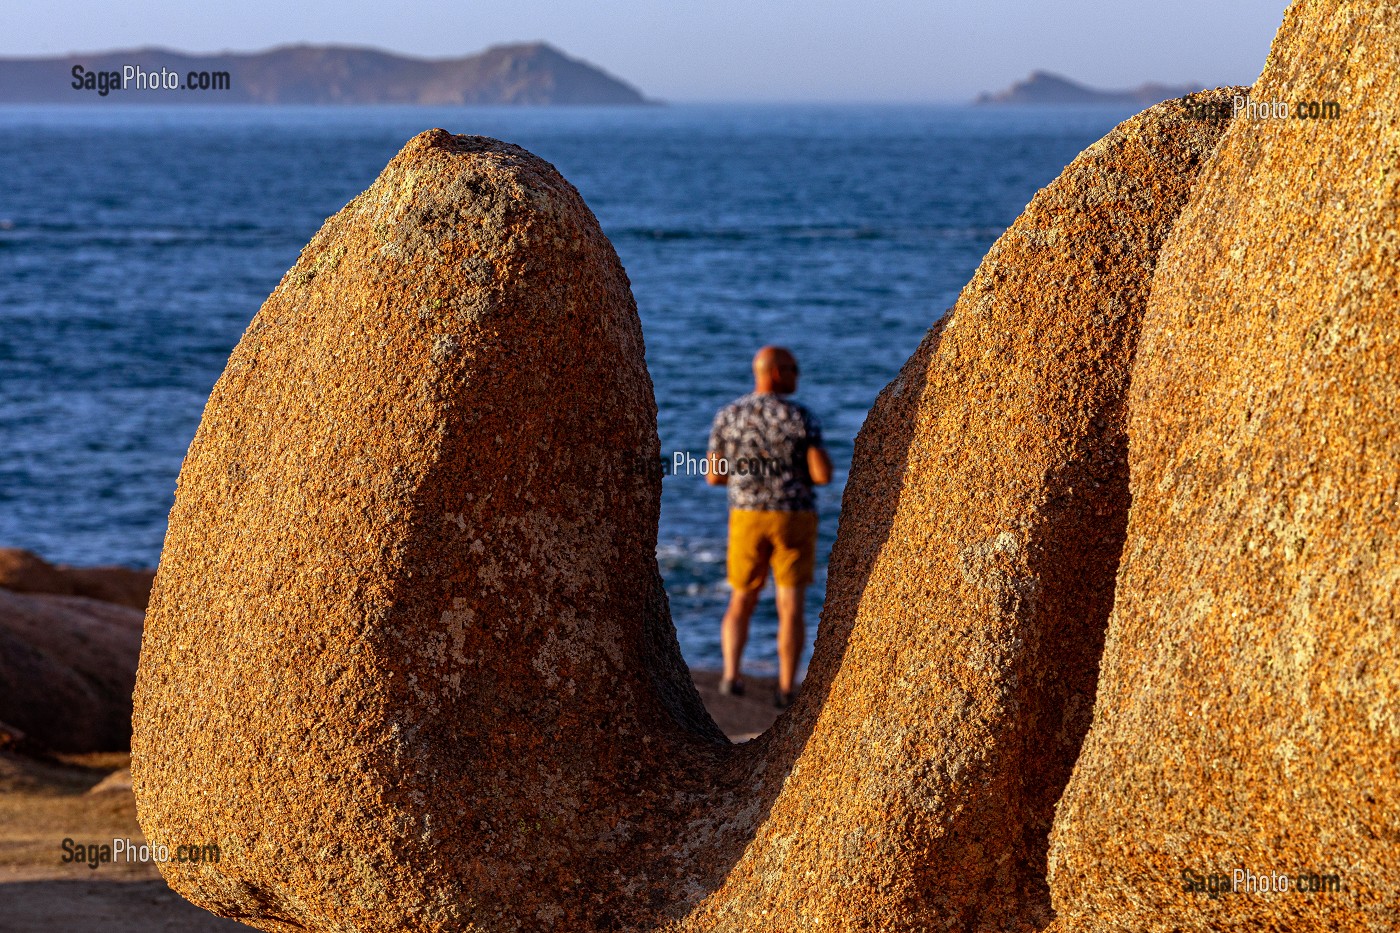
[[768, 451]]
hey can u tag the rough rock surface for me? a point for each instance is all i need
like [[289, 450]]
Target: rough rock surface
[[67, 668], [25, 572], [1248, 715], [408, 620]]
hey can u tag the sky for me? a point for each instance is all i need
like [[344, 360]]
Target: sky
[[721, 50]]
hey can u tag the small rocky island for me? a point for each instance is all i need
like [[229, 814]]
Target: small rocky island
[[1042, 87]]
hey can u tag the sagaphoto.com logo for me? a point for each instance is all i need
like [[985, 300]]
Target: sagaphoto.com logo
[[136, 78], [1264, 882]]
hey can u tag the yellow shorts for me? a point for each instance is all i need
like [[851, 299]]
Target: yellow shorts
[[786, 541]]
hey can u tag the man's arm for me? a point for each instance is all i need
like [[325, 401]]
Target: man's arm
[[715, 449], [818, 460], [819, 465], [715, 477]]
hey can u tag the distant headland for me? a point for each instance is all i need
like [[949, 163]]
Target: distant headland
[[1042, 87], [532, 73]]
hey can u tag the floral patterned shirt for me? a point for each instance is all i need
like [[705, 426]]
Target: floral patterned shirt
[[765, 439]]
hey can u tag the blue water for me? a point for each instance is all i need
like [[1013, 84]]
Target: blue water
[[136, 244]]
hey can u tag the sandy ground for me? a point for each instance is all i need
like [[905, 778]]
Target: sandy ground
[[741, 718], [43, 803]]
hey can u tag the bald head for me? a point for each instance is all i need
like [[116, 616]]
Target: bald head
[[775, 370]]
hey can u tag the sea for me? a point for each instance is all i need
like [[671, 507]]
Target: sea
[[136, 244]]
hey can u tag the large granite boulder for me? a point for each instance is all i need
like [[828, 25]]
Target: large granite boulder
[[67, 668], [26, 572], [1247, 726], [408, 621], [408, 661]]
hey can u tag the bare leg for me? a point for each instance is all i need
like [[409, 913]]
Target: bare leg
[[734, 633], [792, 634]]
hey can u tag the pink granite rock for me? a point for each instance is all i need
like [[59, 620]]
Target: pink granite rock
[[1246, 719], [67, 668]]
